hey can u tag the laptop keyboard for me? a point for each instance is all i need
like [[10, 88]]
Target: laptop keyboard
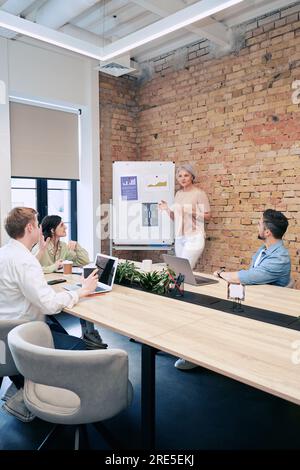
[[71, 287], [100, 289], [205, 280]]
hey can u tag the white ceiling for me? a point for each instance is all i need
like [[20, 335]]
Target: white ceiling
[[111, 23]]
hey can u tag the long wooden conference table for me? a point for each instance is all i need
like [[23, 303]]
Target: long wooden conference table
[[252, 351]]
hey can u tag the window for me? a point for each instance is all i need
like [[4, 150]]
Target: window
[[48, 197], [59, 201], [23, 192]]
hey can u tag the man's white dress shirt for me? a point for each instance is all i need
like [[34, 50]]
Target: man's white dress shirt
[[24, 292]]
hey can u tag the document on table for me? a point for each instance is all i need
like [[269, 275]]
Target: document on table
[[236, 291]]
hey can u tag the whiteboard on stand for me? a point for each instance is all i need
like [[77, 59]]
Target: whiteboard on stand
[[138, 187]]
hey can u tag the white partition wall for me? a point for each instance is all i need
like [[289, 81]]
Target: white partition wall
[[34, 71], [5, 199]]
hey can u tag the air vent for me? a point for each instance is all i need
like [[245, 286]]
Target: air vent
[[118, 67], [115, 69]]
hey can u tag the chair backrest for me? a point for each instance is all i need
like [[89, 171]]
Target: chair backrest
[[7, 365], [99, 378]]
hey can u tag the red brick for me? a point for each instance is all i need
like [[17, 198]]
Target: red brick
[[232, 120]]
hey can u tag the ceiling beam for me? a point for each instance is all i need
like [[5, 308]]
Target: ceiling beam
[[83, 34], [174, 22], [216, 32], [97, 13], [114, 31], [30, 12], [55, 13], [153, 50], [126, 27], [21, 8], [45, 34], [16, 6], [107, 21]]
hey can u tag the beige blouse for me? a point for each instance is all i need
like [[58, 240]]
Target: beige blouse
[[189, 208], [79, 256]]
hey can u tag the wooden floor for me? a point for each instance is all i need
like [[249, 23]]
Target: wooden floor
[[198, 409]]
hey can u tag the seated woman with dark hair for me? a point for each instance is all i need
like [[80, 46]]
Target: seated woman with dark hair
[[52, 252]]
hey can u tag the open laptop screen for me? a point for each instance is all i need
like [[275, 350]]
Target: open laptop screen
[[106, 267]]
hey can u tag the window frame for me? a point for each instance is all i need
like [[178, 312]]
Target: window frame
[[41, 190]]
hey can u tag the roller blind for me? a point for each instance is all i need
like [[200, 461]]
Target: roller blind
[[44, 142]]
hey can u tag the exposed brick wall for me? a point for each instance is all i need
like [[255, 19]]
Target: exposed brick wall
[[118, 127], [233, 118]]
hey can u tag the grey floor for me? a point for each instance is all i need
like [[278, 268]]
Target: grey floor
[[197, 409]]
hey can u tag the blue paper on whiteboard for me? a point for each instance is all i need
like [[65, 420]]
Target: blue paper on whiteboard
[[129, 190]]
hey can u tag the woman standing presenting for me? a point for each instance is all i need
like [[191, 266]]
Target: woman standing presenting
[[190, 211]]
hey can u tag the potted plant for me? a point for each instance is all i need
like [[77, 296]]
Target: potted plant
[[157, 282], [127, 273]]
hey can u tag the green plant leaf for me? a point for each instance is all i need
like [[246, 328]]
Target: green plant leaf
[[155, 281]]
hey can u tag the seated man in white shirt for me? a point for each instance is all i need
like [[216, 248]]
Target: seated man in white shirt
[[24, 292]]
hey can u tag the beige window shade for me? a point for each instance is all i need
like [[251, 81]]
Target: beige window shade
[[44, 142]]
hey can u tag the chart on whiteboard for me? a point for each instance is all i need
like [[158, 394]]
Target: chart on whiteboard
[[129, 188], [156, 183]]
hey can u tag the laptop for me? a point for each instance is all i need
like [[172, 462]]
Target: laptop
[[182, 266], [107, 268]]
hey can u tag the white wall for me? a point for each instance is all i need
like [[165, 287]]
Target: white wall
[[5, 193], [36, 71]]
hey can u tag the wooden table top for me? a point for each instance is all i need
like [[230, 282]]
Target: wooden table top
[[133, 313], [253, 352], [276, 299]]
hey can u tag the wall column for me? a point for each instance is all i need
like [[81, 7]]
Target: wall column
[[5, 166]]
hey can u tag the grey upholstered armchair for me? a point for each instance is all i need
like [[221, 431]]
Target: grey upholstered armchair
[[69, 387], [7, 365]]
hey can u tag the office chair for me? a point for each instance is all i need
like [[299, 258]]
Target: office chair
[[7, 365], [69, 387]]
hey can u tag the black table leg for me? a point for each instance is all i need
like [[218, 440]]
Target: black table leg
[[148, 397]]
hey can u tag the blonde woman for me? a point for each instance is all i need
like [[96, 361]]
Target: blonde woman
[[190, 211]]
